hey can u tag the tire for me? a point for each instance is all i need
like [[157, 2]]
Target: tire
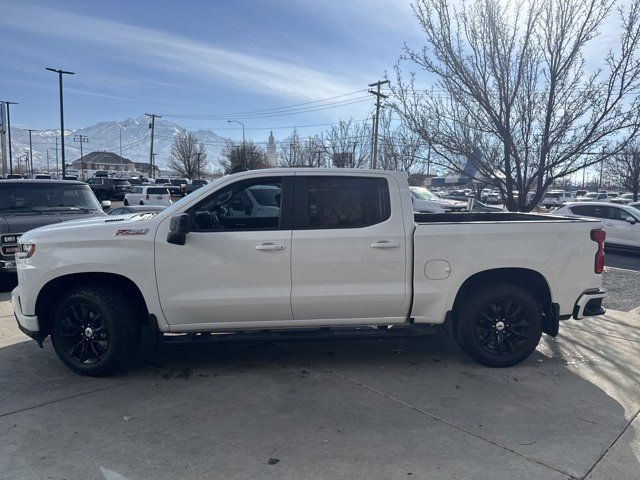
[[499, 325], [95, 331], [141, 202], [126, 202]]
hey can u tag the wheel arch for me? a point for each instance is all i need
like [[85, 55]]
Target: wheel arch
[[530, 280], [53, 290]]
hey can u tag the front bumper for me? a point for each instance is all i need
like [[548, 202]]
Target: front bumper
[[589, 304], [27, 323]]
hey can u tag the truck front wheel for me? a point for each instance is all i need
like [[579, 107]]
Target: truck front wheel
[[95, 330], [499, 325]]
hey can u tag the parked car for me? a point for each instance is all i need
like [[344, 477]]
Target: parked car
[[14, 176], [194, 185], [109, 188], [426, 202], [26, 204], [148, 195], [127, 210], [579, 193], [623, 199], [174, 190], [555, 198], [181, 183], [42, 176], [621, 222], [593, 197], [70, 177], [460, 195], [492, 198], [337, 249], [477, 206]]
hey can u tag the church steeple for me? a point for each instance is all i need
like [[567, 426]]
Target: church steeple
[[272, 152]]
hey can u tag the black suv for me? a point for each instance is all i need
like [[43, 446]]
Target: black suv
[[28, 204], [109, 188]]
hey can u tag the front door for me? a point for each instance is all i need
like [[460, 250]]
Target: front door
[[349, 253], [619, 231], [234, 268]]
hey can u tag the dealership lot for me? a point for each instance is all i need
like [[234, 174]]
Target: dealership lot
[[328, 409]]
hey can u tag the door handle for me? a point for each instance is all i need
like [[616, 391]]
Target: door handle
[[270, 246], [385, 244]]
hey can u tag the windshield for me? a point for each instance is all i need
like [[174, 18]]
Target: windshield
[[20, 198], [553, 195], [591, 195], [423, 194]]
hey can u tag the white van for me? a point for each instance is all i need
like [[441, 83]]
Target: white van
[[148, 195]]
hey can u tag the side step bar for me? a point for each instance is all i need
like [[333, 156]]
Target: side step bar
[[307, 335]]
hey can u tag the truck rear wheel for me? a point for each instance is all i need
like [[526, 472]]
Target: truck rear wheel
[[499, 325], [95, 330]]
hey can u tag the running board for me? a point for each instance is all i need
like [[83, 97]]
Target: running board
[[275, 336]]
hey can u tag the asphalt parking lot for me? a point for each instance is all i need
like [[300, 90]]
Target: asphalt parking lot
[[329, 409]]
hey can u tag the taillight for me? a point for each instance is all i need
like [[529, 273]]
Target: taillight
[[598, 236], [147, 196]]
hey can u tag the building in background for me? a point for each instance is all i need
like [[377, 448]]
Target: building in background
[[272, 152], [108, 161]]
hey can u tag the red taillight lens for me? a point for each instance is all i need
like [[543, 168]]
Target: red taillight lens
[[599, 236]]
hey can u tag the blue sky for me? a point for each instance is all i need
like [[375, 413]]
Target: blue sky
[[194, 58]]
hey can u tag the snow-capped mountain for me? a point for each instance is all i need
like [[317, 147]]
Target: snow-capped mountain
[[105, 136]]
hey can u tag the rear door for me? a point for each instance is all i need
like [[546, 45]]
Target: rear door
[[349, 251], [624, 232]]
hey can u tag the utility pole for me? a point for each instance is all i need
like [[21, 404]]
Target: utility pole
[[376, 119], [153, 165], [48, 169], [152, 126], [60, 73], [82, 139], [31, 150], [57, 170], [7, 103]]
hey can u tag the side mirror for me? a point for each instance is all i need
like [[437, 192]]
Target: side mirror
[[178, 229], [631, 220], [106, 204]]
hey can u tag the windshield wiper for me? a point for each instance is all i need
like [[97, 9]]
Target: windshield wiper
[[13, 208], [72, 208]]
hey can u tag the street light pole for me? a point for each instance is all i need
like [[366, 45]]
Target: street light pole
[[7, 103], [57, 169], [60, 73], [244, 160]]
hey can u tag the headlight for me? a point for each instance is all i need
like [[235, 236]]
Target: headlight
[[26, 250]]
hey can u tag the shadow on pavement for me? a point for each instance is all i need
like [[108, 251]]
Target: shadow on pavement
[[366, 409]]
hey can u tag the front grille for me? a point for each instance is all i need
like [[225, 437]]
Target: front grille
[[9, 244]]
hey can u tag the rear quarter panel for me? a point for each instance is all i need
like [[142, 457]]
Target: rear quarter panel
[[560, 250]]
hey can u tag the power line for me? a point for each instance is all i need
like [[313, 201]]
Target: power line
[[264, 110]]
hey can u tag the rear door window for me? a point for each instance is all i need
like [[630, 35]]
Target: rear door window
[[157, 191], [596, 211], [325, 202]]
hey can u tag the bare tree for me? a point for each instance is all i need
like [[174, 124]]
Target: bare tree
[[624, 169], [400, 147], [299, 152], [233, 154], [513, 94], [348, 144], [188, 156]]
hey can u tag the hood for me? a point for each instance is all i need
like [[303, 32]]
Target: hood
[[24, 223], [87, 223]]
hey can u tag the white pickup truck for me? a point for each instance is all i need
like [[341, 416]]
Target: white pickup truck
[[339, 248]]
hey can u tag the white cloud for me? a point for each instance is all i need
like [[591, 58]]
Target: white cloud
[[177, 54]]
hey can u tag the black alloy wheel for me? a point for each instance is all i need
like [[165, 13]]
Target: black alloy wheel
[[84, 335]]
